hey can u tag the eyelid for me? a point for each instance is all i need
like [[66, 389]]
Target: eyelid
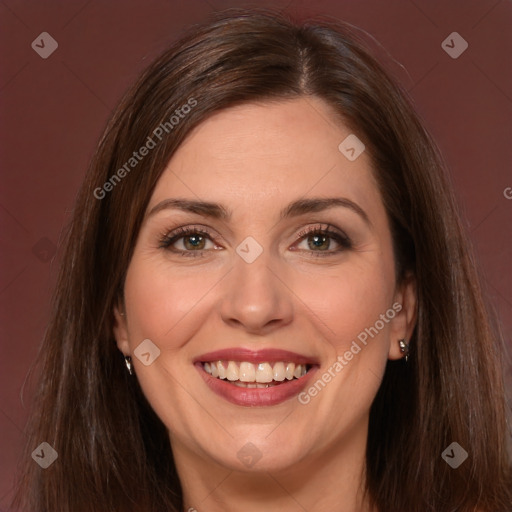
[[339, 236], [327, 229], [323, 227], [167, 238]]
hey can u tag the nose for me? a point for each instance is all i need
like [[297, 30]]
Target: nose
[[256, 297]]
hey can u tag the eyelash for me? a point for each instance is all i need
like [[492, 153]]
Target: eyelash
[[168, 239], [339, 237]]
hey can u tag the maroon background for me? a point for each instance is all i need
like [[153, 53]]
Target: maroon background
[[54, 109]]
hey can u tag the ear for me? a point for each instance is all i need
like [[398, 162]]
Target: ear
[[404, 322], [121, 330]]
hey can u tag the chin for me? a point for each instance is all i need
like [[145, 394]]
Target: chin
[[260, 453]]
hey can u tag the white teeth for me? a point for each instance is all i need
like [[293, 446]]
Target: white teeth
[[264, 373], [247, 372], [221, 370], [252, 385], [280, 372], [290, 369], [254, 375], [232, 371]]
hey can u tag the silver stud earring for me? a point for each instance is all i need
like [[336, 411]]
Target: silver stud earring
[[404, 348], [128, 363]]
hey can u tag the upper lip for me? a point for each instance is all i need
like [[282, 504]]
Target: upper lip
[[268, 355]]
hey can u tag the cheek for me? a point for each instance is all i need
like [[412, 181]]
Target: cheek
[[351, 300], [158, 299], [166, 306]]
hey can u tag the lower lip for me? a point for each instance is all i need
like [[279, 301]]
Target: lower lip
[[252, 397]]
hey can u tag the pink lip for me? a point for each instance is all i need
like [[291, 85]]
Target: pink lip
[[253, 397], [269, 355]]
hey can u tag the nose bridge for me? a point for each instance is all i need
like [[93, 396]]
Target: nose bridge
[[255, 298]]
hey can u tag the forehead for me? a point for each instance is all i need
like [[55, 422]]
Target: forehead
[[260, 153]]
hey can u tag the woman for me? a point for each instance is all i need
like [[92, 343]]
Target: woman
[[267, 301]]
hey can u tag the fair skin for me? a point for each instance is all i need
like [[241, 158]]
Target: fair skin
[[254, 160]]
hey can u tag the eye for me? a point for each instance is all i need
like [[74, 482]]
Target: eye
[[188, 240], [323, 240]]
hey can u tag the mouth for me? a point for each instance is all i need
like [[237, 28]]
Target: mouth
[[262, 378]]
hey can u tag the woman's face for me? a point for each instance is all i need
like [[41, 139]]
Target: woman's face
[[265, 253]]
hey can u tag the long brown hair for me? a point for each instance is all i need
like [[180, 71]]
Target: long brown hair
[[113, 451]]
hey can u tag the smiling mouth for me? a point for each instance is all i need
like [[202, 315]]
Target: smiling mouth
[[260, 375]]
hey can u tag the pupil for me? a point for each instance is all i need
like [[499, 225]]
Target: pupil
[[194, 241], [319, 241]]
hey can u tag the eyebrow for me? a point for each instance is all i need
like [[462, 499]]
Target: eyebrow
[[294, 209], [313, 205], [204, 208]]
